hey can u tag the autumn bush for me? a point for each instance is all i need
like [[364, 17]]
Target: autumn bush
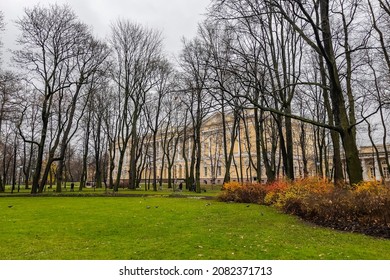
[[245, 193], [353, 210], [364, 207], [274, 191], [301, 189]]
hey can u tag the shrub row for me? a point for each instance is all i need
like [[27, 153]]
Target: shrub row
[[362, 208]]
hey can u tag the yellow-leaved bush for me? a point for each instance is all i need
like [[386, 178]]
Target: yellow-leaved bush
[[364, 207]]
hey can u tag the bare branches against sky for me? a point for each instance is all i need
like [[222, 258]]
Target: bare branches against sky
[[174, 18]]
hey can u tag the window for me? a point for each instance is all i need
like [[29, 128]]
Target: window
[[178, 150], [205, 171], [180, 171], [386, 173], [371, 172], [219, 169]]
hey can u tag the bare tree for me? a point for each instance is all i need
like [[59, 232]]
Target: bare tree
[[2, 25], [9, 88], [95, 138], [88, 62], [86, 135], [137, 53], [219, 40], [173, 130], [195, 65], [111, 120], [56, 52], [153, 109], [310, 22], [323, 44], [380, 17]]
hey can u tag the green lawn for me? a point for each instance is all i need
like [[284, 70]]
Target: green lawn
[[167, 228], [207, 190]]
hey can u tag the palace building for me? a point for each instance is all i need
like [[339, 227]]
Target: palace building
[[175, 152]]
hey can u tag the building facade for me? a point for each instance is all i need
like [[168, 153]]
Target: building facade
[[175, 152], [375, 162]]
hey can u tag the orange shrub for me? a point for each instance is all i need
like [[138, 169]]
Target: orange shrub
[[277, 186], [313, 185], [274, 190], [299, 189], [370, 187], [231, 186], [246, 193], [364, 207]]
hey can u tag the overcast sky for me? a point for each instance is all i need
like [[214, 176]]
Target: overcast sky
[[175, 18]]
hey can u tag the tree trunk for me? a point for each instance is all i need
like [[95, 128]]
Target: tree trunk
[[133, 152], [41, 147], [84, 173], [154, 160], [198, 156], [289, 145], [268, 163], [233, 139], [346, 129], [303, 144], [258, 144]]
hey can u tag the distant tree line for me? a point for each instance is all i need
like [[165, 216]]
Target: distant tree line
[[78, 104]]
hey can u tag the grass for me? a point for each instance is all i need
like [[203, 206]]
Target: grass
[[153, 228], [207, 190]]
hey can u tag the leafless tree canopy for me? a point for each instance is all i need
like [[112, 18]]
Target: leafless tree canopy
[[307, 80]]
